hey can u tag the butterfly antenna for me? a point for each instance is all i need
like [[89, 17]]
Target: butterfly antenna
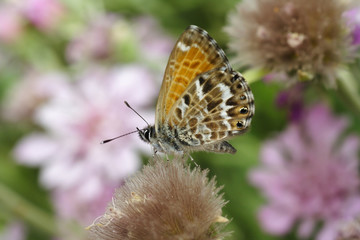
[[109, 140], [128, 105]]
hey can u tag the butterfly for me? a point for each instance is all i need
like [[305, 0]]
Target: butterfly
[[202, 100]]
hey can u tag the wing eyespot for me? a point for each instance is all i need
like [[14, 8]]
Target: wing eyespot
[[234, 78], [244, 110], [240, 124]]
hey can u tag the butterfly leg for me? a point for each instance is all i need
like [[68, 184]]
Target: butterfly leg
[[191, 158], [162, 147], [154, 153]]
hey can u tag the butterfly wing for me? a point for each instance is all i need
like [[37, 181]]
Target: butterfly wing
[[194, 53], [217, 105]]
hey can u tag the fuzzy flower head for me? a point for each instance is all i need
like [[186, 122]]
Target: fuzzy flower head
[[307, 39], [167, 200], [309, 174]]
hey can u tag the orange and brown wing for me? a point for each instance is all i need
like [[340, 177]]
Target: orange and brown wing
[[194, 53], [217, 105]]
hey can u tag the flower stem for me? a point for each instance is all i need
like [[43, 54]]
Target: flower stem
[[35, 216], [348, 88]]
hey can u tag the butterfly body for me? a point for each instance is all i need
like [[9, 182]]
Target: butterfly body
[[202, 101]]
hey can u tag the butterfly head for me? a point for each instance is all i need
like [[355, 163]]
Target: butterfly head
[[147, 134]]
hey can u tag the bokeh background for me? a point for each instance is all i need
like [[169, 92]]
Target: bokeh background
[[66, 67]]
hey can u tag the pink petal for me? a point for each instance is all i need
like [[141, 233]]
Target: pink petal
[[329, 231], [261, 177], [35, 149], [275, 221], [126, 164], [271, 154], [62, 173], [306, 227], [10, 23], [13, 231], [293, 143], [323, 128], [350, 148]]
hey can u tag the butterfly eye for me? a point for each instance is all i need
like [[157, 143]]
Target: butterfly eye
[[147, 134]]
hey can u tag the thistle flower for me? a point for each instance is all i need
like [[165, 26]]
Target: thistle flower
[[309, 174], [167, 200], [303, 38]]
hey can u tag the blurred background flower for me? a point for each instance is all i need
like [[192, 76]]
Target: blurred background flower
[[14, 231], [66, 68], [309, 173], [44, 14], [10, 23], [77, 117], [74, 120], [94, 42], [352, 17], [31, 92]]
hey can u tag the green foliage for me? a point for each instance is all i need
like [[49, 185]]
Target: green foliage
[[46, 51]]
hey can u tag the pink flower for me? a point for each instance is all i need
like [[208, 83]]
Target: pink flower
[[44, 14], [10, 23], [32, 91], [309, 173], [353, 20], [76, 210], [13, 231], [109, 36], [75, 121], [95, 42], [292, 100], [154, 43], [84, 206]]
